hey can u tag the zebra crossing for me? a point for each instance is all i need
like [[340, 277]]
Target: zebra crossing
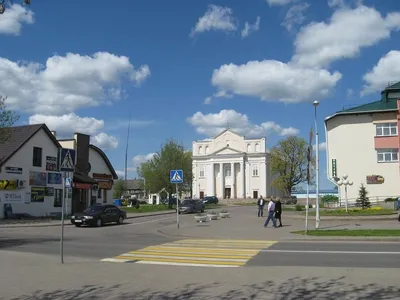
[[197, 253]]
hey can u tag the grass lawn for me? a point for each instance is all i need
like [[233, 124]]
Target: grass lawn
[[354, 212], [355, 232]]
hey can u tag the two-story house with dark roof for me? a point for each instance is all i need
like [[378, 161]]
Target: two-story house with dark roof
[[29, 179], [363, 143]]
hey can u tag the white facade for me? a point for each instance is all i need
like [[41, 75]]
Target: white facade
[[353, 143], [230, 166], [23, 159]]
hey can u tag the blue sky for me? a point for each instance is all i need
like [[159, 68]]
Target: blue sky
[[184, 69]]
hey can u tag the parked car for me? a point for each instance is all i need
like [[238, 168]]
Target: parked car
[[210, 200], [289, 200], [98, 215], [191, 206]]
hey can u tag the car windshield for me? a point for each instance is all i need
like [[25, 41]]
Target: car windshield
[[186, 202], [94, 208]]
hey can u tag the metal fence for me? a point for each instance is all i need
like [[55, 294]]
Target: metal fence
[[375, 201]]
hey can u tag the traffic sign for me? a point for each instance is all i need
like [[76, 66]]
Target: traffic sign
[[67, 160], [68, 182], [176, 176]]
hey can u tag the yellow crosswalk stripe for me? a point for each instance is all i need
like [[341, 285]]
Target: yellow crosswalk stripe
[[197, 252]]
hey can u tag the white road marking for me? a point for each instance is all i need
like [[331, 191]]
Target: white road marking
[[330, 252], [152, 221], [202, 252], [117, 260], [183, 264], [140, 256]]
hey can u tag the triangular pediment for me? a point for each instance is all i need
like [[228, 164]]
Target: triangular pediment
[[226, 150], [225, 131]]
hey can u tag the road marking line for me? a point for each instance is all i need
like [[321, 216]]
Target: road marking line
[[214, 250], [329, 252], [198, 253], [225, 246], [151, 221], [145, 256], [195, 261], [146, 262], [117, 260], [228, 241]]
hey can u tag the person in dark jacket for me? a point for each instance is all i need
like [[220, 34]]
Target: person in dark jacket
[[260, 204], [278, 212]]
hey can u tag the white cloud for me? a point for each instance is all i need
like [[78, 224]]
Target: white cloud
[[321, 146], [386, 70], [212, 124], [67, 83], [350, 93], [250, 28], [218, 94], [142, 158], [207, 100], [13, 18], [320, 44], [279, 2], [336, 3], [66, 125], [217, 18], [104, 141], [295, 16], [121, 174], [275, 80]]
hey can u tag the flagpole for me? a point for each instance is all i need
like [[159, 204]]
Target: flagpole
[[309, 167]]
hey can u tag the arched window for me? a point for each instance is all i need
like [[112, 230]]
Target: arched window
[[248, 147], [200, 150], [207, 149], [257, 147]]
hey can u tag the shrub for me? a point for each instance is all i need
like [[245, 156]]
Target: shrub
[[299, 207], [390, 199], [329, 199]]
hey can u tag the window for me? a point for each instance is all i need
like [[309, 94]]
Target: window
[[227, 170], [257, 147], [388, 155], [99, 193], [207, 149], [255, 171], [386, 129], [201, 173], [37, 157], [200, 150], [248, 147]]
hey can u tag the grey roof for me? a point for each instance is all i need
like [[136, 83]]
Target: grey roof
[[134, 184], [19, 136]]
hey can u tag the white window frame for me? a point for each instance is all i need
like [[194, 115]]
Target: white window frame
[[386, 129], [201, 172], [387, 155], [255, 171], [227, 170]]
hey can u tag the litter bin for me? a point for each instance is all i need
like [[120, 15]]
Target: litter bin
[[118, 202]]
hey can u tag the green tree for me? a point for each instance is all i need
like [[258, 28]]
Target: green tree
[[156, 171], [119, 188], [7, 119], [363, 200], [289, 163]]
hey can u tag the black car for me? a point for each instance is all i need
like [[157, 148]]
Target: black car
[[210, 200], [191, 206], [98, 215]]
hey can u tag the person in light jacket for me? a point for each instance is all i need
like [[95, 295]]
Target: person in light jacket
[[271, 211]]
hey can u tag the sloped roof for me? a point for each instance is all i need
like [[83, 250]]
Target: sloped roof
[[106, 160], [134, 184], [19, 136]]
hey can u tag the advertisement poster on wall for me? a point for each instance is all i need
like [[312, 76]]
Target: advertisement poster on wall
[[58, 198], [51, 163], [49, 191], [14, 170], [37, 178], [11, 197], [37, 194], [27, 197], [54, 178]]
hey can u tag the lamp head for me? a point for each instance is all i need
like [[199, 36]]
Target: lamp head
[[340, 183], [350, 182], [345, 176], [315, 103]]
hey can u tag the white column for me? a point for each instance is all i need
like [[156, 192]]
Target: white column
[[242, 181], [209, 175], [248, 175], [194, 183], [233, 181], [212, 181], [263, 179], [221, 180]]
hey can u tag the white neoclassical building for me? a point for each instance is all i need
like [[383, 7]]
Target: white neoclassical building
[[231, 166]]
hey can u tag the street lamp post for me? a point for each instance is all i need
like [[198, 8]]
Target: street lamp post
[[345, 182], [317, 218]]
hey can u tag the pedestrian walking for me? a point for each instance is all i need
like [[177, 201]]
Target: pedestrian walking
[[260, 204], [271, 211], [278, 212]]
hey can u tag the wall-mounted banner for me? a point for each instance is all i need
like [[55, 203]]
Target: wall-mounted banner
[[14, 170], [11, 197], [37, 178], [54, 178], [105, 185], [37, 194], [375, 179], [51, 163], [8, 184], [102, 176], [49, 191]]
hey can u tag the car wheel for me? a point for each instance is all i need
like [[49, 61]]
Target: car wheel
[[120, 220], [99, 222], [77, 225]]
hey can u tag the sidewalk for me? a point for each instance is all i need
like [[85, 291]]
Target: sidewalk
[[47, 223], [301, 216]]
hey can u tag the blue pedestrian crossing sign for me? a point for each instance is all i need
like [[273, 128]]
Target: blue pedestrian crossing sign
[[68, 182], [176, 176], [67, 160]]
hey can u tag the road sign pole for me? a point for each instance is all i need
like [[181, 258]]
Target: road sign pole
[[177, 206], [62, 219]]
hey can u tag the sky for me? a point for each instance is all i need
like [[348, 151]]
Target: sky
[[188, 69]]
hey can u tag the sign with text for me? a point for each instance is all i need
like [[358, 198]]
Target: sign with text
[[37, 194], [375, 179], [49, 191], [37, 178], [14, 170], [8, 184], [51, 163], [11, 197], [102, 176], [334, 168], [54, 178], [105, 185]]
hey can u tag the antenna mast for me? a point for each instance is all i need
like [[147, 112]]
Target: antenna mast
[[126, 151]]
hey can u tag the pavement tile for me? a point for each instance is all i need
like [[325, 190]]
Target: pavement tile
[[196, 253]]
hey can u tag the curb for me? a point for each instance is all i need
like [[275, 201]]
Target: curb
[[342, 218], [343, 239], [70, 224]]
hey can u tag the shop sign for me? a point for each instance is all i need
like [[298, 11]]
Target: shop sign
[[11, 197], [102, 176], [13, 170], [105, 185], [37, 194], [51, 163], [375, 179], [83, 186], [8, 184], [37, 178]]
